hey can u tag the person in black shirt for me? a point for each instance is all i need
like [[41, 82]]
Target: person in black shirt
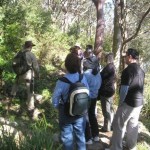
[[131, 102], [107, 91]]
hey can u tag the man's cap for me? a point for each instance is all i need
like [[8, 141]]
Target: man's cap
[[133, 52], [28, 44], [78, 45]]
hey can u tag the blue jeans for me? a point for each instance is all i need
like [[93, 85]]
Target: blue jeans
[[72, 135]]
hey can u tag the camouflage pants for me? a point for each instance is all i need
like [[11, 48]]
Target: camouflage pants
[[25, 78]]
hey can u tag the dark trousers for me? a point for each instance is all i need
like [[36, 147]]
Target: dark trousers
[[91, 129], [108, 112]]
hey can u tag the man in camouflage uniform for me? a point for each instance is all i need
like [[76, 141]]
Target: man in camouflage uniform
[[28, 77]]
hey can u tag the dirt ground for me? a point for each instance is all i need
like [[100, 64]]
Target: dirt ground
[[104, 142], [104, 137], [143, 136]]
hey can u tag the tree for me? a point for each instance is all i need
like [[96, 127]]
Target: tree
[[128, 20], [99, 36]]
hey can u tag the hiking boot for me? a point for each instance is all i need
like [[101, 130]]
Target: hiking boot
[[89, 142]]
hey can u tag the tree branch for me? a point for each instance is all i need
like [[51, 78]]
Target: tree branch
[[138, 28]]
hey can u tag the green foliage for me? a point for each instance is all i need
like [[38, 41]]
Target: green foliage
[[142, 146], [74, 30], [39, 140], [146, 108], [34, 20], [13, 27], [107, 43], [7, 142], [76, 35], [46, 93], [40, 137]]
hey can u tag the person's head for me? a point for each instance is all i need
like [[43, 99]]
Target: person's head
[[88, 51], [109, 58], [89, 48], [72, 63], [28, 44], [77, 50], [132, 55]]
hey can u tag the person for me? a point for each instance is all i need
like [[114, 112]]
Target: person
[[92, 74], [89, 58], [71, 127], [131, 103], [28, 77], [107, 91], [78, 51]]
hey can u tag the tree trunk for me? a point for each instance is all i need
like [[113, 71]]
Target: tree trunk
[[120, 38], [117, 38], [99, 36], [117, 32]]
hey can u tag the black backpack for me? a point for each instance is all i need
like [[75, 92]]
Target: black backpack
[[20, 65], [78, 99]]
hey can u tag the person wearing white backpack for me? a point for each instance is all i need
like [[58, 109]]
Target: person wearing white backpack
[[71, 127]]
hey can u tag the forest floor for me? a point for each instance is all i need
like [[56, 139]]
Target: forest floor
[[104, 142], [105, 137]]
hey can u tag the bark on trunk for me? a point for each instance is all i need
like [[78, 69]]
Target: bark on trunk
[[99, 36]]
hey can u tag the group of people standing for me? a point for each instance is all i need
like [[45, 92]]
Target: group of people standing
[[81, 130]]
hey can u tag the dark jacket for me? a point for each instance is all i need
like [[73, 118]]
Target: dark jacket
[[32, 61], [108, 79]]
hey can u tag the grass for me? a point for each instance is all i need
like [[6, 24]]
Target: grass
[[34, 136]]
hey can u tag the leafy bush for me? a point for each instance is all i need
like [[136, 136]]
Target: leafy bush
[[146, 108], [37, 137]]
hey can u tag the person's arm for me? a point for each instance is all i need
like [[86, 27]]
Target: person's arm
[[56, 97], [123, 92]]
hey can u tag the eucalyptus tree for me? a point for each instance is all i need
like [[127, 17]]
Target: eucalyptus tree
[[99, 36], [76, 18], [129, 17]]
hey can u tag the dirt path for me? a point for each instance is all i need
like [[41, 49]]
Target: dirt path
[[143, 136], [104, 137]]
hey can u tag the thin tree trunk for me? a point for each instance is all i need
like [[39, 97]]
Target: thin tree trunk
[[99, 36]]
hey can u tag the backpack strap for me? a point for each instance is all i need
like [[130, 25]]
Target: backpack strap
[[80, 77], [64, 79], [89, 58]]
